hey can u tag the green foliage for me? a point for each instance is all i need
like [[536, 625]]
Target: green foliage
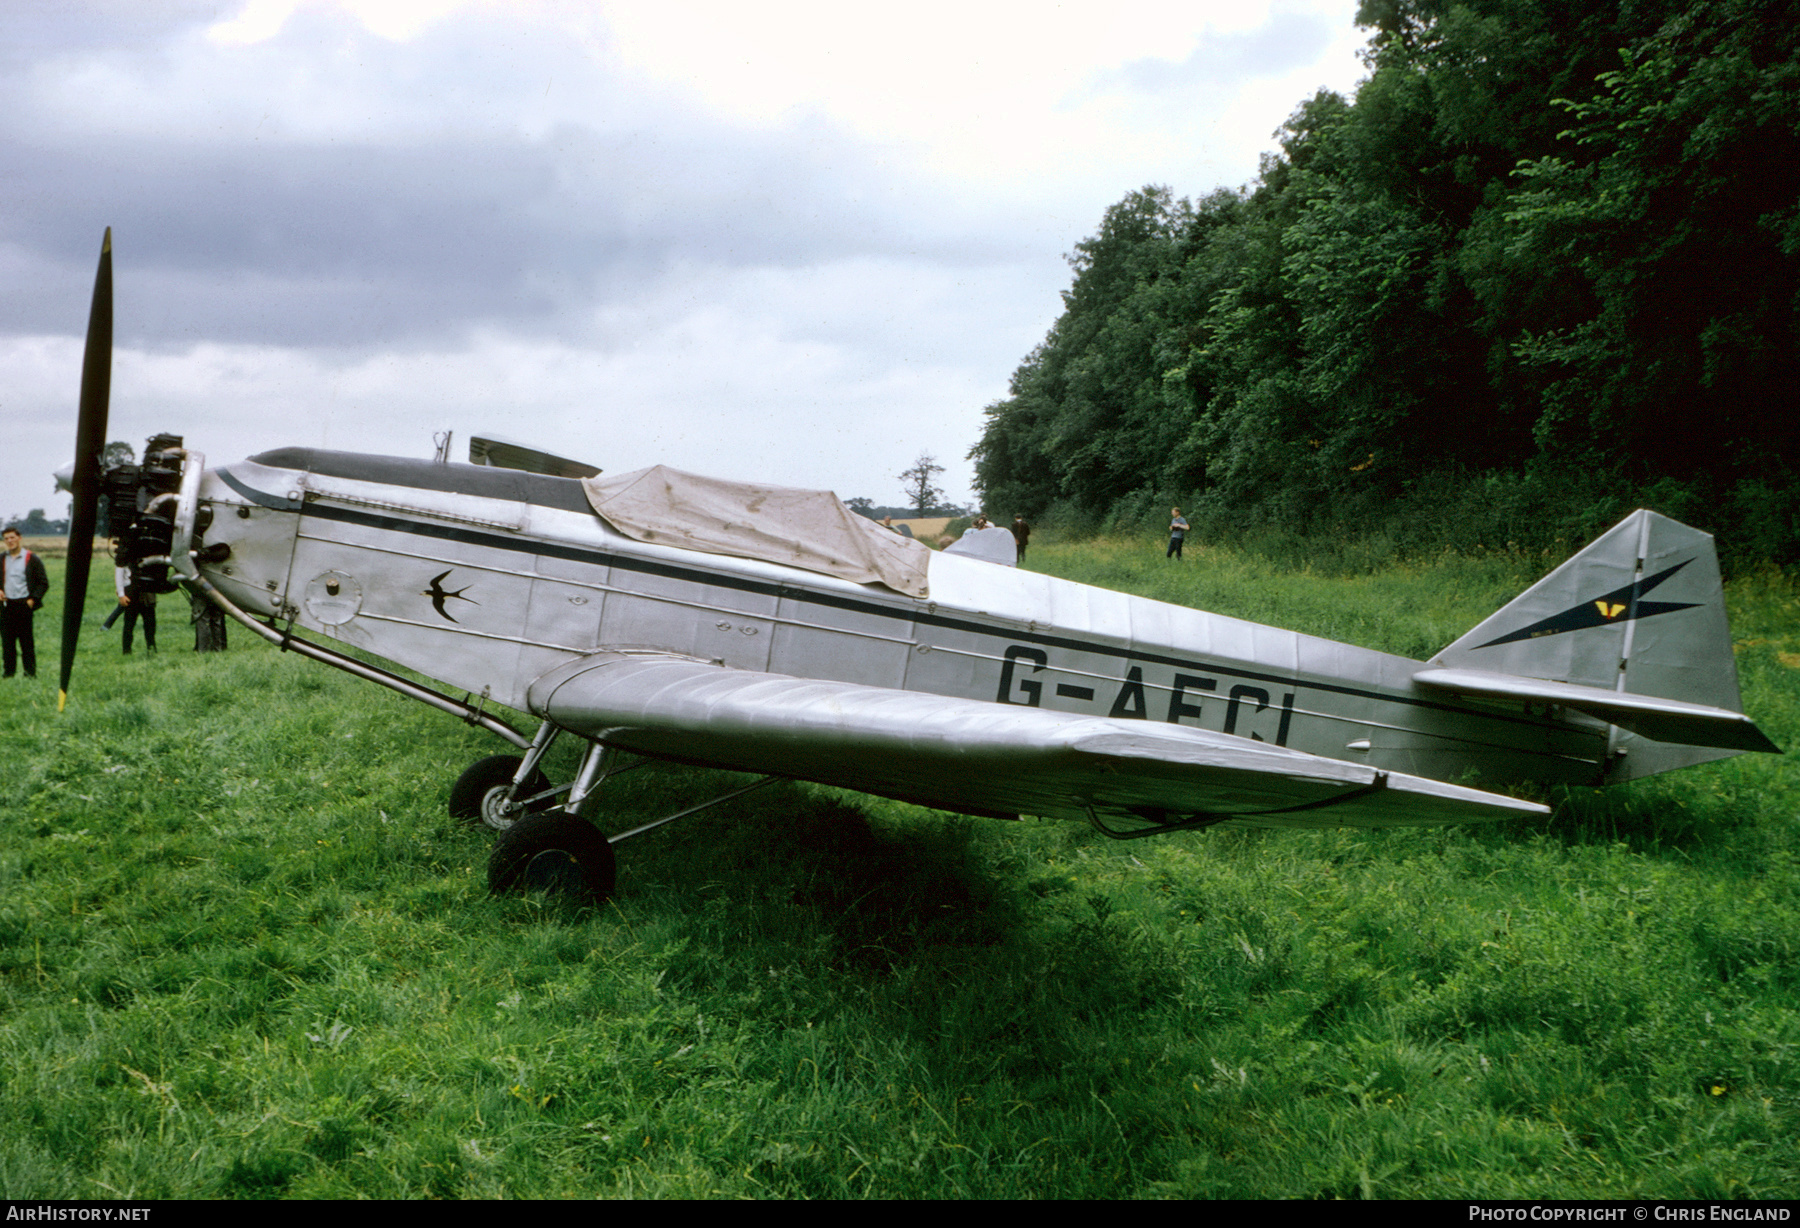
[[1544, 239], [1679, 214], [35, 524]]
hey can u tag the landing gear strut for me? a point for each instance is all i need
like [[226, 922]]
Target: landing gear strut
[[502, 789], [485, 791], [540, 848], [553, 849]]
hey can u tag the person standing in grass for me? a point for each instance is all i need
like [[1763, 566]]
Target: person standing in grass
[[119, 607], [136, 605], [1021, 534], [23, 585], [1178, 527]]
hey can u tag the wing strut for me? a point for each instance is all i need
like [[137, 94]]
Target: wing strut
[[653, 824]]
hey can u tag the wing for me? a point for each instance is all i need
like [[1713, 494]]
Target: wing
[[975, 757]]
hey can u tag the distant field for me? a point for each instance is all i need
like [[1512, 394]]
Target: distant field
[[57, 547], [930, 526], [244, 953]]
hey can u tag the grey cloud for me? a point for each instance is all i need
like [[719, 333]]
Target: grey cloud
[[368, 241], [35, 29], [1289, 40], [351, 244]]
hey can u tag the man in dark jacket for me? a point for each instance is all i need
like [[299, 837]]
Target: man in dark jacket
[[23, 586]]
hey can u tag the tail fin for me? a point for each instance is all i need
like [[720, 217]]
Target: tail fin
[[1635, 626]]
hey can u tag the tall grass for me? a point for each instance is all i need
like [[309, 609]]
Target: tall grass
[[243, 953]]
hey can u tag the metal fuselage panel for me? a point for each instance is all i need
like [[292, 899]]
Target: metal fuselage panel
[[447, 571]]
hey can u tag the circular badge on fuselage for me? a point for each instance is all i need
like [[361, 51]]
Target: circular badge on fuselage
[[333, 598]]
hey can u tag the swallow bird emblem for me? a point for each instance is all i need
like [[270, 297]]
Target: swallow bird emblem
[[439, 596]]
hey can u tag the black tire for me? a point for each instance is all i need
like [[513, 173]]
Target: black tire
[[476, 793], [554, 852]]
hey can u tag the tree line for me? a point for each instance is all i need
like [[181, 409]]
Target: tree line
[[1540, 269], [36, 524]]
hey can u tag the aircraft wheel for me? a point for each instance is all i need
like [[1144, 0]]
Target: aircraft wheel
[[552, 852], [479, 793]]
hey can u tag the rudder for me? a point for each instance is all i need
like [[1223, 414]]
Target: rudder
[[1641, 611]]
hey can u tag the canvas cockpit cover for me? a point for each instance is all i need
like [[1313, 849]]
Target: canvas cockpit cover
[[809, 529]]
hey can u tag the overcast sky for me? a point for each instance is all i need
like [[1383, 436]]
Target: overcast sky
[[799, 243]]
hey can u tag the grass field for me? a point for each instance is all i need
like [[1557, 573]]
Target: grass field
[[243, 953]]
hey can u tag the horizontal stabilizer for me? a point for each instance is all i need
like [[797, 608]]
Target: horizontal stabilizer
[[979, 757], [1661, 720]]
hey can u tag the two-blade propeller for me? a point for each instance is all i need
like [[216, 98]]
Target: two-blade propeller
[[90, 446]]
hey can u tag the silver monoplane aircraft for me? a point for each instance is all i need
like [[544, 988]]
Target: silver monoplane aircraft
[[657, 615]]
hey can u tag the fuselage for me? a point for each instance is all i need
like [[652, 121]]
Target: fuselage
[[485, 579]]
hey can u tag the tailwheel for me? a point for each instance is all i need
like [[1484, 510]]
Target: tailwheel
[[555, 852]]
